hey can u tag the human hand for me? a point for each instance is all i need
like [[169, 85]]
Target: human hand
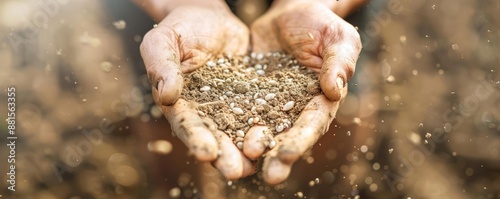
[[181, 43], [325, 43]]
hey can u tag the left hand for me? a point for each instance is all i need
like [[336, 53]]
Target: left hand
[[325, 43], [190, 35]]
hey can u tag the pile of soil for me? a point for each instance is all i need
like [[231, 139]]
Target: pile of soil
[[238, 92]]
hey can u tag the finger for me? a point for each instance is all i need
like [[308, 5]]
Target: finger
[[312, 123], [231, 162], [263, 38], [340, 54], [192, 130], [292, 144], [275, 171], [237, 37], [161, 55], [253, 145]]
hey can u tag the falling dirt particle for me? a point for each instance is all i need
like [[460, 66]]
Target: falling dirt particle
[[391, 150], [86, 39], [356, 121], [402, 39], [126, 175], [106, 66], [390, 79], [156, 112], [162, 147], [120, 24], [415, 138], [175, 192], [363, 148]]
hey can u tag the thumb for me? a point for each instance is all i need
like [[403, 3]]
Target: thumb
[[161, 55], [339, 62]]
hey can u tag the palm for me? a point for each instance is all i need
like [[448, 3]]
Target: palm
[[200, 34]]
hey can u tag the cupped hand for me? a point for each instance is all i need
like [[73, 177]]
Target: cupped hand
[[181, 43], [325, 43]]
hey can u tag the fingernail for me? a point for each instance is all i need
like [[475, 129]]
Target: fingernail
[[340, 83]]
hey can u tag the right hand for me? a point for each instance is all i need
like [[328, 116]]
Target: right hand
[[181, 43], [322, 41]]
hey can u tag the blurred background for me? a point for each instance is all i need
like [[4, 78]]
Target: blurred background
[[422, 119]]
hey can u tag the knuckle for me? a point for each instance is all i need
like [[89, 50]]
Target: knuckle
[[352, 35], [148, 39], [350, 65]]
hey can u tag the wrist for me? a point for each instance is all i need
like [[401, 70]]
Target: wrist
[[208, 4], [341, 8], [159, 9]]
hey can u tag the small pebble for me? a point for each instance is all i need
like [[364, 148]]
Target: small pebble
[[250, 121], [260, 101], [201, 113], [238, 111], [272, 144], [231, 105], [240, 133], [260, 56], [260, 72], [256, 120], [205, 88], [239, 139], [270, 96], [239, 145], [279, 128], [211, 64], [288, 106]]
